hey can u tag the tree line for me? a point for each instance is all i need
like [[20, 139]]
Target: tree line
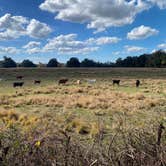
[[156, 59]]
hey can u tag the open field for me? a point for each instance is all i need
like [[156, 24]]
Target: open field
[[108, 125]]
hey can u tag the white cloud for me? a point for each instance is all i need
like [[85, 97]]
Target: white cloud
[[103, 40], [34, 50], [9, 50], [68, 44], [12, 27], [37, 29], [32, 44], [160, 3], [141, 32], [162, 46], [98, 14], [132, 49], [117, 53], [32, 47]]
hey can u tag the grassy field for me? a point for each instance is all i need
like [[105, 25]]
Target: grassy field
[[108, 124]]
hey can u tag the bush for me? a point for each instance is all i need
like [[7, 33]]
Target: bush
[[38, 148]]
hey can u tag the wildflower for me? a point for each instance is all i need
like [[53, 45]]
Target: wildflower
[[38, 143]]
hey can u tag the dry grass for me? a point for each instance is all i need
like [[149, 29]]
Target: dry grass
[[91, 115]]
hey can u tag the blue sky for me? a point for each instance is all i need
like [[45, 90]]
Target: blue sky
[[103, 30]]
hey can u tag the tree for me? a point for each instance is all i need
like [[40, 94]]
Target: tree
[[88, 63], [52, 63], [73, 62], [27, 63], [8, 62]]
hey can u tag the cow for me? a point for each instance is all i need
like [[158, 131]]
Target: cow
[[63, 81], [78, 82], [19, 77], [91, 81], [37, 82], [138, 83], [18, 84], [116, 82]]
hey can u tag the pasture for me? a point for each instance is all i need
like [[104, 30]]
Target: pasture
[[126, 115]]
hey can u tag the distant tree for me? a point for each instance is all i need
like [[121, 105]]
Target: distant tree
[[156, 59], [119, 62], [52, 63], [8, 63], [73, 62], [27, 63], [88, 63]]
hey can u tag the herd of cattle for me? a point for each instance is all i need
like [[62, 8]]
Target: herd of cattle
[[64, 81]]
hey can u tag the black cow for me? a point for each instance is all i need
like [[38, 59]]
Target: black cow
[[62, 81], [138, 83], [18, 84], [37, 81], [116, 82]]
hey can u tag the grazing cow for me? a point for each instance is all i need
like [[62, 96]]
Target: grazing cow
[[116, 82], [138, 83], [37, 82], [78, 82], [18, 84], [91, 81], [63, 81], [19, 77]]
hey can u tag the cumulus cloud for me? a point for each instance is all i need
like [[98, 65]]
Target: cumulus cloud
[[32, 47], [12, 27], [37, 29], [103, 40], [32, 44], [141, 32], [33, 50], [132, 49], [68, 44], [99, 14], [8, 50]]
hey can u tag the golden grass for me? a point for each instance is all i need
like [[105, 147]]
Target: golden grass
[[52, 103]]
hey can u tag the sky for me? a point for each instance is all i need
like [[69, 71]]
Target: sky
[[102, 30]]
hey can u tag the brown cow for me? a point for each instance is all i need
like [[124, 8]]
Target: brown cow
[[63, 81], [116, 82], [19, 77]]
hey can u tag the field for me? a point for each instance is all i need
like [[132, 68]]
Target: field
[[86, 124]]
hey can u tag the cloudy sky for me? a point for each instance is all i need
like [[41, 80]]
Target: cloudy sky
[[102, 30]]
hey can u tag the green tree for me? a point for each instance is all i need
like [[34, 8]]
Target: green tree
[[27, 63], [52, 63], [8, 63], [73, 62], [88, 63]]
